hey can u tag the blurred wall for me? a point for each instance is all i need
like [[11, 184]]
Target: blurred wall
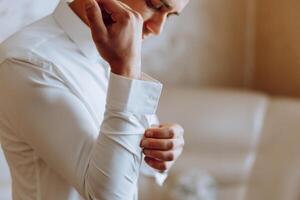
[[205, 46], [277, 54]]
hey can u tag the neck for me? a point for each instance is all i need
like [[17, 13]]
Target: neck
[[78, 8]]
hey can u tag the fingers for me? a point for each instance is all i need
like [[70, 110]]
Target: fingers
[[162, 133], [157, 164], [161, 144], [113, 7], [126, 7], [94, 16], [162, 155], [165, 132]]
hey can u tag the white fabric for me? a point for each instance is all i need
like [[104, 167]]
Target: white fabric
[[54, 88]]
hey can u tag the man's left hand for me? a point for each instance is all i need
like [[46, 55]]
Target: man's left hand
[[163, 145]]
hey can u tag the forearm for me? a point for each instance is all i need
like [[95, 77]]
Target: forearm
[[115, 163], [116, 157]]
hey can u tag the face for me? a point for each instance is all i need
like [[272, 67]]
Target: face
[[156, 12]]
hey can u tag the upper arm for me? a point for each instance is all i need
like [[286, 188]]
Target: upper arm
[[57, 125], [50, 118]]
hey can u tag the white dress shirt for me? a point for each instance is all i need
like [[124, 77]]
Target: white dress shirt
[[69, 128]]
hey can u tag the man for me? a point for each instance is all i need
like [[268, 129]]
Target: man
[[76, 113]]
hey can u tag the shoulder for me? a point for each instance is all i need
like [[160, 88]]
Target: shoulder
[[38, 48], [22, 56], [32, 42]]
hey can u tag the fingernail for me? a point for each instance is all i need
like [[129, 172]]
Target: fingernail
[[144, 143], [149, 133]]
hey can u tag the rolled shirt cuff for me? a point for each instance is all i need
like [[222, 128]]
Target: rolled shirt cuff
[[138, 96]]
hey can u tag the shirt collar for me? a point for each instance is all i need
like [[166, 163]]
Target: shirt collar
[[76, 29]]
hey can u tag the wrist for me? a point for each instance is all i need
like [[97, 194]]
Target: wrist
[[129, 72]]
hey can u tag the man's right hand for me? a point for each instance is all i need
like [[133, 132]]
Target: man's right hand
[[119, 43]]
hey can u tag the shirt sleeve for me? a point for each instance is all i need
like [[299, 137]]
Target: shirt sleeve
[[57, 125]]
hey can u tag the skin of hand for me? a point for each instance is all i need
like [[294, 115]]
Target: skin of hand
[[163, 145], [120, 45]]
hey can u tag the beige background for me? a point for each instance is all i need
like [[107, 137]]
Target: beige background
[[253, 44], [205, 46], [278, 47]]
